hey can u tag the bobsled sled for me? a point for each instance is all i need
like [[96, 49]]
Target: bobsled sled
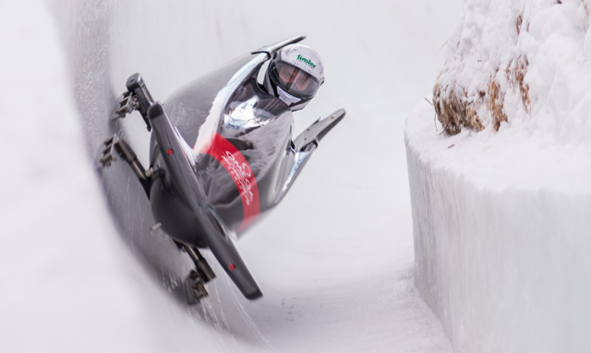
[[221, 155]]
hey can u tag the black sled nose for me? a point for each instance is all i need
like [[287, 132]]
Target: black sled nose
[[210, 226]]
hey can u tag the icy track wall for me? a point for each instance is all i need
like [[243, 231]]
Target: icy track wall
[[502, 219], [315, 297]]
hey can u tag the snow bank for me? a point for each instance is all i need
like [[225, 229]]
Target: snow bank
[[501, 219], [536, 53]]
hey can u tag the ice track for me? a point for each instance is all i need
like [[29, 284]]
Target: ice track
[[334, 261]]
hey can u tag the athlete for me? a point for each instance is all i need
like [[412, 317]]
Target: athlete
[[243, 161], [294, 75]]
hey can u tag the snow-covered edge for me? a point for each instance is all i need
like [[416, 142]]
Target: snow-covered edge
[[505, 269]]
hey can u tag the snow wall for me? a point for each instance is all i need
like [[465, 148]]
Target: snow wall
[[502, 219], [80, 269]]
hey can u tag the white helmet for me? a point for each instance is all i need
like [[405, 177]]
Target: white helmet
[[294, 75]]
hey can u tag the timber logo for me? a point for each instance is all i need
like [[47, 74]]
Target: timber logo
[[307, 61]]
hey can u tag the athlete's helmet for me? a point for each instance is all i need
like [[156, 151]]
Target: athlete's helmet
[[294, 75]]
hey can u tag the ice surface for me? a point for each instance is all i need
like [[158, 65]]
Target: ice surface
[[501, 219], [335, 260]]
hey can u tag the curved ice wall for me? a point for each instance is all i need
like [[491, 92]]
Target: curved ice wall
[[335, 259]]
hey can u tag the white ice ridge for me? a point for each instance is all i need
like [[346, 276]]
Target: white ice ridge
[[502, 219]]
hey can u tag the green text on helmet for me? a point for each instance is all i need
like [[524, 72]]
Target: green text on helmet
[[309, 62]]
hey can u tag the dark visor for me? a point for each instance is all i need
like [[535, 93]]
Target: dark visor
[[295, 81]]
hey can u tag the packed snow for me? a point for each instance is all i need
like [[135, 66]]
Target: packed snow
[[501, 218]]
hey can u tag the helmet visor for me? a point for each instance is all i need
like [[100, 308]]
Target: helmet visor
[[295, 81]]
